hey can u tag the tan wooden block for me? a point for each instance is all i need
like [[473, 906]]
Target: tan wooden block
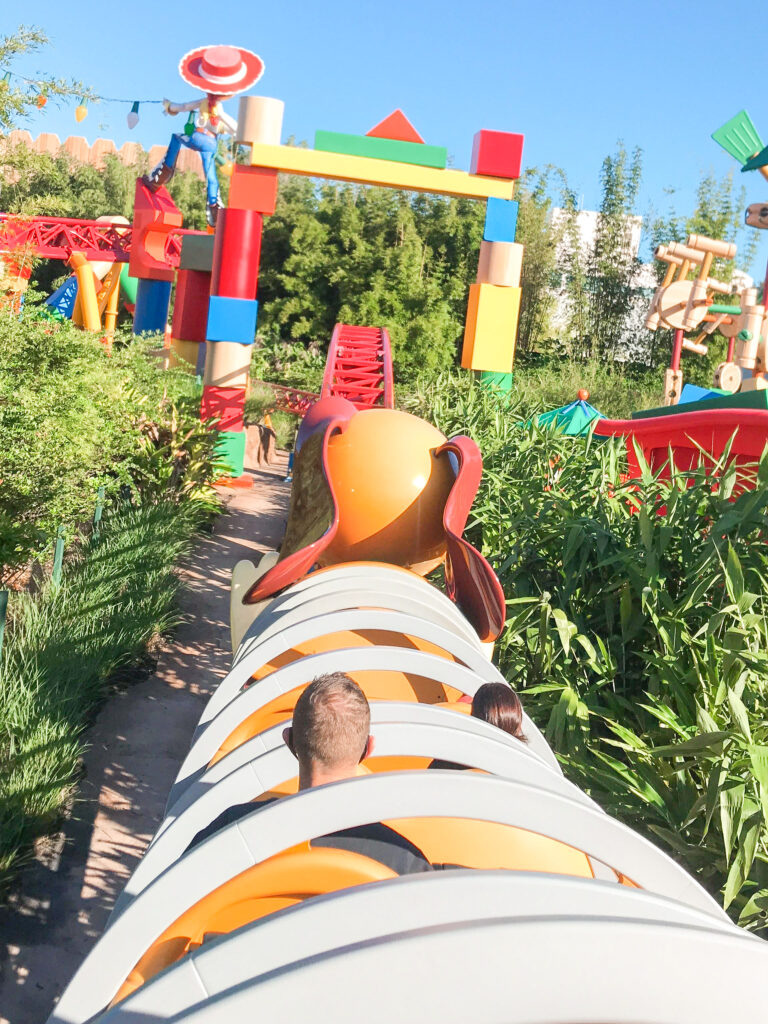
[[259, 119], [183, 355], [227, 364], [500, 263]]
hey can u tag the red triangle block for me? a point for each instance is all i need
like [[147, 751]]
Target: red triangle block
[[396, 126]]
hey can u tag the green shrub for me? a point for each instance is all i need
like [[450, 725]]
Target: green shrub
[[63, 645], [637, 631], [73, 418]]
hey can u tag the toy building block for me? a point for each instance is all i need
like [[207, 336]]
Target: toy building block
[[190, 310], [491, 328], [232, 319], [395, 126], [316, 163], [500, 263], [196, 253], [259, 119], [154, 217], [227, 365], [153, 298], [497, 154], [382, 149], [500, 220], [229, 451], [253, 188], [227, 405], [183, 355], [236, 254]]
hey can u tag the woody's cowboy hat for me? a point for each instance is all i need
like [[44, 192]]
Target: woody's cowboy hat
[[221, 70]]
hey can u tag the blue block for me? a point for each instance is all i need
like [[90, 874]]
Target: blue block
[[152, 300], [232, 319], [693, 393], [500, 220]]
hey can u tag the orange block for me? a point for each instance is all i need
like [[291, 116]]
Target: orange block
[[491, 329], [253, 188], [396, 126]]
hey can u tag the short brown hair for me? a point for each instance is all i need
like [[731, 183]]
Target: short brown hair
[[331, 721]]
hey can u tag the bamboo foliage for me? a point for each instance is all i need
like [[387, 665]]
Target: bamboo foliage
[[637, 631]]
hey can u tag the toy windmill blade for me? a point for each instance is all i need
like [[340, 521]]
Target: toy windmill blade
[[739, 137]]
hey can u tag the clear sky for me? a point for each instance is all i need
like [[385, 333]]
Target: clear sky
[[572, 77]]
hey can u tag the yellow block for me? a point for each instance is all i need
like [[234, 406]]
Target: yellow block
[[500, 263], [183, 355], [367, 171], [227, 364], [491, 330]]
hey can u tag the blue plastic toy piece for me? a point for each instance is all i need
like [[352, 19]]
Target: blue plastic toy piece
[[500, 220], [62, 301], [694, 393], [232, 319], [152, 301]]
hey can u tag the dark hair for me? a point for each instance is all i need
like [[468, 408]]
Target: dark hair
[[499, 705], [331, 721]]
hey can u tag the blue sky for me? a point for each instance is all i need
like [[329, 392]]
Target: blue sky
[[572, 77]]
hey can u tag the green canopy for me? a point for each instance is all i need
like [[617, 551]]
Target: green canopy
[[572, 419]]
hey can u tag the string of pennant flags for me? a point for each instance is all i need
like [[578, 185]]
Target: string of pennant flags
[[81, 110]]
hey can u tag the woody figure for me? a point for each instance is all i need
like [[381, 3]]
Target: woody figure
[[221, 72]]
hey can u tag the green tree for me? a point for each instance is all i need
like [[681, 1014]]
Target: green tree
[[600, 270], [18, 97]]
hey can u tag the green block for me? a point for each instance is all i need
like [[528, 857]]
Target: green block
[[196, 253], [497, 381], [741, 400], [230, 452], [382, 149]]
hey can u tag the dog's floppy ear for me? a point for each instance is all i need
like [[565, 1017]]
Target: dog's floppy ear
[[313, 518], [469, 580]]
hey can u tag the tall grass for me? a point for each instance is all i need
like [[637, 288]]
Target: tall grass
[[62, 646], [637, 631]]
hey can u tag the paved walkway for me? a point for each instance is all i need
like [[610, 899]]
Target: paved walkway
[[135, 748]]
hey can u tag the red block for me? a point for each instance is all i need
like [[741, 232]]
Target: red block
[[497, 154], [395, 126], [236, 252], [190, 309], [253, 188], [225, 404], [155, 215]]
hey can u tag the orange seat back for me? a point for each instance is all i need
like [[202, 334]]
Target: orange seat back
[[351, 638], [272, 885]]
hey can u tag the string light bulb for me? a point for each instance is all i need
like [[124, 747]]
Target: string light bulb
[[132, 119], [189, 127], [41, 100], [81, 111]]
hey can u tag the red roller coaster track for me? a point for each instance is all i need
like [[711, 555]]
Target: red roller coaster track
[[359, 367], [56, 238]]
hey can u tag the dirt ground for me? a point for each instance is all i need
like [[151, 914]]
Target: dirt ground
[[135, 748]]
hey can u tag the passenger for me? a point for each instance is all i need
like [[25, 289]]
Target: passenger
[[499, 705], [330, 737]]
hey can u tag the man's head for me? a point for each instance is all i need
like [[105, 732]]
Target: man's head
[[330, 734]]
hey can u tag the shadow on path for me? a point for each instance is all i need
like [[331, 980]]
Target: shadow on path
[[135, 748]]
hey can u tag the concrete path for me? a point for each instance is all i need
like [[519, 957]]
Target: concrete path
[[135, 748]]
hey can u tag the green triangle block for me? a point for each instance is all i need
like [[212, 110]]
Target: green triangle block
[[739, 137]]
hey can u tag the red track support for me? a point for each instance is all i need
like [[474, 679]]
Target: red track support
[[359, 367], [55, 238]]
